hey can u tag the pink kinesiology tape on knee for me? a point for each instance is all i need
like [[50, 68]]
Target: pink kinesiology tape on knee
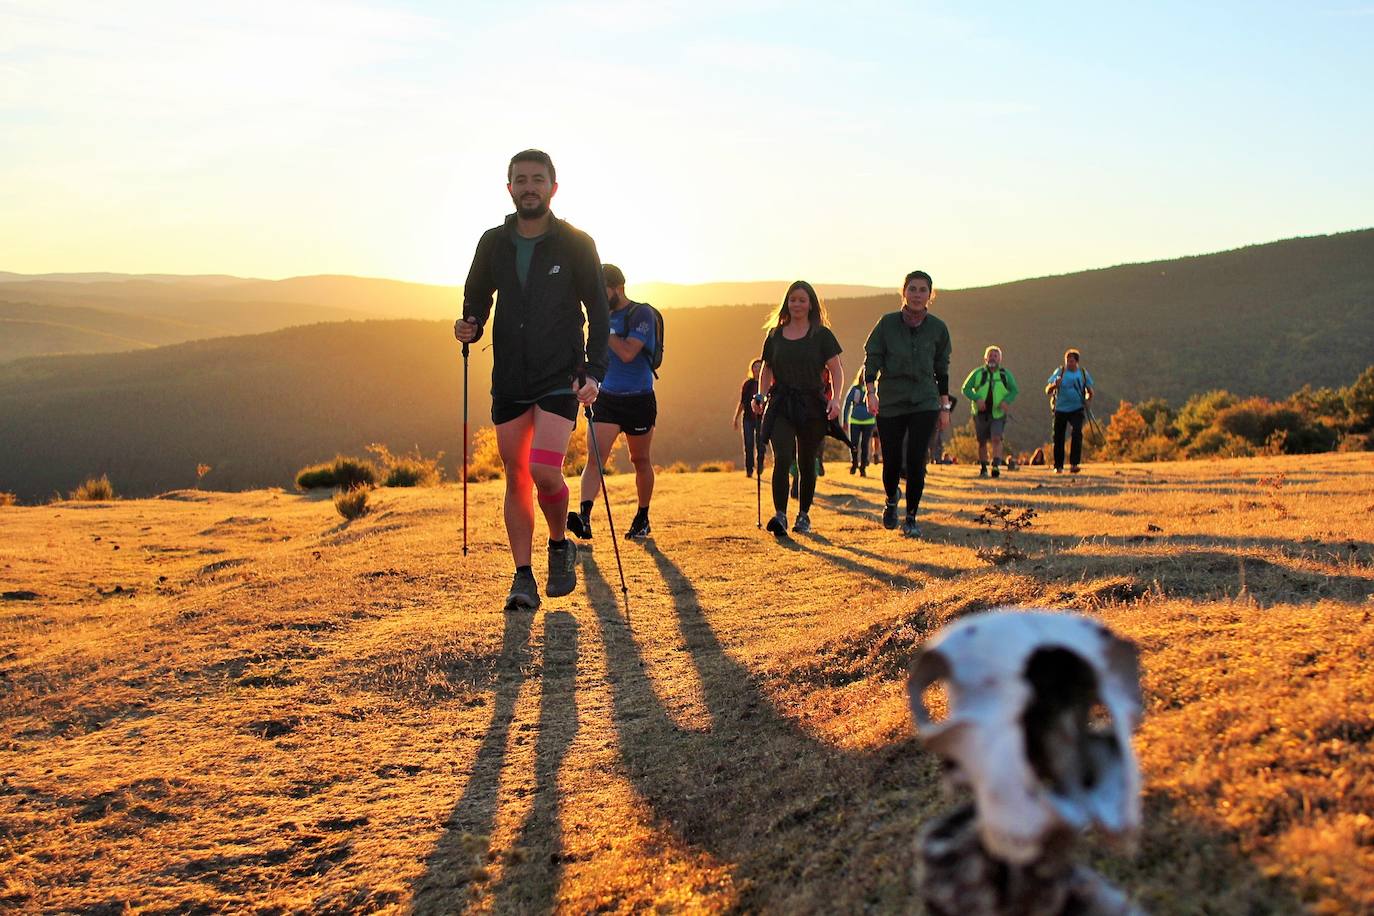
[[556, 497], [546, 456]]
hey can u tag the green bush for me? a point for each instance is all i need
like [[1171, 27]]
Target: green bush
[[351, 503], [1217, 443], [95, 489], [1278, 427], [343, 472]]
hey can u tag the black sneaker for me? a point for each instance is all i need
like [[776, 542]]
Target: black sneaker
[[803, 523], [890, 516], [983, 470], [909, 527], [562, 569], [582, 527], [524, 592], [863, 472], [778, 525], [996, 471], [639, 528]]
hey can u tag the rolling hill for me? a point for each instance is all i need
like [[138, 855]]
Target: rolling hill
[[1259, 320]]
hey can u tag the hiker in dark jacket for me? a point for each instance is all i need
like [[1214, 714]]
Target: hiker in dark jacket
[[543, 273], [799, 349], [906, 373], [754, 444]]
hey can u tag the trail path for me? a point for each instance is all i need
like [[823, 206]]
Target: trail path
[[238, 700]]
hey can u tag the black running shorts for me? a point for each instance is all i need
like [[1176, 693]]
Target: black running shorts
[[635, 414], [565, 405]]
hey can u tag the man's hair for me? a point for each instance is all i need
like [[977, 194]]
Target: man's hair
[[612, 275], [1072, 352], [531, 155], [918, 273], [988, 351]]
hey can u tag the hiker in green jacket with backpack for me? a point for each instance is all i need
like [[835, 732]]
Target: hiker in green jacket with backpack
[[989, 389]]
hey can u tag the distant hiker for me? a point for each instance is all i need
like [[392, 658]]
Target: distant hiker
[[1070, 389], [906, 374], [626, 404], [754, 443], [798, 348], [990, 388], [544, 273], [938, 436], [859, 423]]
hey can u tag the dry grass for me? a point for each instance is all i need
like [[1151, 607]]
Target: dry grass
[[8, 499], [232, 700], [352, 503], [94, 489]]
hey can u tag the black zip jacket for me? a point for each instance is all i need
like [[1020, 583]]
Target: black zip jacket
[[537, 339]]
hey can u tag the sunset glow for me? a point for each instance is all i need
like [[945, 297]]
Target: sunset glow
[[696, 142]]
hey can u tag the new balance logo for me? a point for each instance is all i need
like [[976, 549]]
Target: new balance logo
[[553, 270]]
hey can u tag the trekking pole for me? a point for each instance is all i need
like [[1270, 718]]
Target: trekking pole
[[758, 480], [465, 449], [610, 522]]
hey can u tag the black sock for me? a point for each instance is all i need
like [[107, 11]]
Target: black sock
[[643, 512], [586, 508], [558, 545], [525, 569]]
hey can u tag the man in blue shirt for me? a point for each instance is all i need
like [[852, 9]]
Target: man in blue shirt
[[1070, 389], [626, 404]]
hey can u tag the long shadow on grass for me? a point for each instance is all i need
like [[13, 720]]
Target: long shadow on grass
[[813, 828], [530, 883], [462, 851], [801, 820]]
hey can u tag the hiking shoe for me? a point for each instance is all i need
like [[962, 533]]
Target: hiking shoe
[[853, 470], [582, 527], [890, 515], [524, 592], [639, 528], [996, 471], [909, 527], [863, 472], [803, 523], [1075, 469], [983, 471], [778, 525], [1059, 470], [562, 569]]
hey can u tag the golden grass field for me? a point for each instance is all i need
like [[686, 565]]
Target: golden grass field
[[238, 701]]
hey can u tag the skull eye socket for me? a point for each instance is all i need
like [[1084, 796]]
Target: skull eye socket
[[1063, 721], [935, 700]]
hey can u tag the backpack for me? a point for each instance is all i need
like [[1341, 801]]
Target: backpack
[[1082, 385], [654, 356]]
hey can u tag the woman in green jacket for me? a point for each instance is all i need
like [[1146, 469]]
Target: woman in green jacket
[[906, 373], [989, 389]]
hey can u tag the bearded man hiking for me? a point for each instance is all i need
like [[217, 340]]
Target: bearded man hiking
[[543, 273], [990, 388]]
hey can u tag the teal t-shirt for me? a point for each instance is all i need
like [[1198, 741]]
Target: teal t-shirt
[[524, 254]]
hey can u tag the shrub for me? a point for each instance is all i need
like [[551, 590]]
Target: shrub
[[716, 467], [484, 458], [201, 470], [7, 499], [1359, 401], [1278, 428], [1218, 443], [343, 472], [95, 489], [407, 470], [1199, 411], [678, 467], [351, 503]]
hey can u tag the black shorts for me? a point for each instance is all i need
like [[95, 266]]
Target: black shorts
[[565, 405], [635, 414]]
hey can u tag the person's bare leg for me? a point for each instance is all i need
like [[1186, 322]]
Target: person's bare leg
[[513, 443], [591, 474], [644, 468], [548, 445]]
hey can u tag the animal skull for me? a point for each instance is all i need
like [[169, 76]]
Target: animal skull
[[1027, 691]]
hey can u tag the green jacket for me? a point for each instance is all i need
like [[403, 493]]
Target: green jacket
[[911, 365], [1004, 389]]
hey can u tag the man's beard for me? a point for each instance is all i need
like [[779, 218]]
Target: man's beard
[[526, 211], [615, 301]]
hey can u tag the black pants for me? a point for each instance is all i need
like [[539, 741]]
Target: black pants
[[906, 442], [1072, 418], [861, 434], [800, 444], [753, 443]]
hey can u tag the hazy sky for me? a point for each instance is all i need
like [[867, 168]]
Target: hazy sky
[[695, 140]]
